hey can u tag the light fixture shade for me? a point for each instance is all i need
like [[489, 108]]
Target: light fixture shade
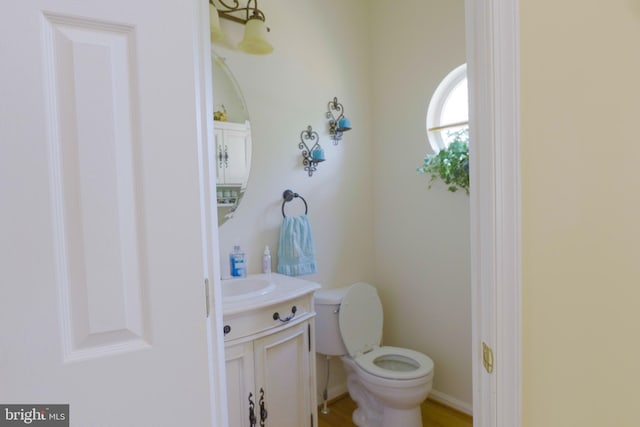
[[255, 38], [217, 35]]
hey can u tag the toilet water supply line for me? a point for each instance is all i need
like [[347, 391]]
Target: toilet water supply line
[[325, 409]]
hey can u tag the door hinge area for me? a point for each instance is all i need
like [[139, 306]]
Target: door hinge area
[[309, 335], [487, 357]]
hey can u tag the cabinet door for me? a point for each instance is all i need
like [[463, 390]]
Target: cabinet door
[[240, 385], [221, 157], [235, 142], [283, 374], [232, 153]]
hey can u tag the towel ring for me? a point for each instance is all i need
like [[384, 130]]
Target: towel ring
[[288, 196]]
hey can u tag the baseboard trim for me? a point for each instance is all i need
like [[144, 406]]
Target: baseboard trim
[[451, 402]]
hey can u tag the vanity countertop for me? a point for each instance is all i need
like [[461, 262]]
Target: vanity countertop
[[278, 288]]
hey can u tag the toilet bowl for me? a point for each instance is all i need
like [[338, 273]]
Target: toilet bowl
[[387, 383]]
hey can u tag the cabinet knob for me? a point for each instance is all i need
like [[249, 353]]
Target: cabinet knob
[[226, 329]]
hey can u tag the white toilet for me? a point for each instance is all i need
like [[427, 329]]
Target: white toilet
[[387, 383]]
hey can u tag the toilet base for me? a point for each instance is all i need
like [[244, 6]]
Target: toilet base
[[368, 413], [401, 417], [390, 418], [393, 408]]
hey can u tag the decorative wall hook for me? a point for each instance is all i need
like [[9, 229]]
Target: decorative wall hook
[[310, 156], [338, 123]]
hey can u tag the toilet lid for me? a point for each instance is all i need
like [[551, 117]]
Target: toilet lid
[[360, 319]]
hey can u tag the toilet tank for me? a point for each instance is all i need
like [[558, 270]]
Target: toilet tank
[[327, 305]]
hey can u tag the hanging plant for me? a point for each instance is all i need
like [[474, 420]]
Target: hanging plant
[[450, 164]]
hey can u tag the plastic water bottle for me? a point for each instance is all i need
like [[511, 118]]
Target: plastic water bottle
[[237, 263]]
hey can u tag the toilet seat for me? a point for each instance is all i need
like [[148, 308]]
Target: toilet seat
[[360, 320], [395, 363]]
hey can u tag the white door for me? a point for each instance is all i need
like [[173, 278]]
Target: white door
[[101, 250]]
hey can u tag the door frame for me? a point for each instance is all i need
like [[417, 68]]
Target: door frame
[[494, 116], [209, 218]]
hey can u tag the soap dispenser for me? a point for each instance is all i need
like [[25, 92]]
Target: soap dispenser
[[266, 260]]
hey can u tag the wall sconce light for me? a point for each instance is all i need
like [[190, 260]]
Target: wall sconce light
[[255, 29], [338, 123], [310, 156]]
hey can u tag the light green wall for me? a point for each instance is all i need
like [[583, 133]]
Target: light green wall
[[422, 235], [580, 64]]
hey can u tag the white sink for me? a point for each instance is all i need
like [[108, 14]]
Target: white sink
[[245, 287], [242, 294]]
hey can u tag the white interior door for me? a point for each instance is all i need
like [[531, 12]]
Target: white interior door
[[101, 250]]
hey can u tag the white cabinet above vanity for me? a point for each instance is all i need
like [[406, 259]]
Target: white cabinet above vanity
[[270, 350], [233, 152]]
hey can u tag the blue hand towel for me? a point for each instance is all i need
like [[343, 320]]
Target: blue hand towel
[[296, 252]]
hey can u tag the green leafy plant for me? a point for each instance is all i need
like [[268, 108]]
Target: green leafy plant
[[450, 164]]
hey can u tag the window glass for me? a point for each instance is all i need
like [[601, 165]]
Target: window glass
[[448, 112]]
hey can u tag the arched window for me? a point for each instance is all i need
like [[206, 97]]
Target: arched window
[[448, 112]]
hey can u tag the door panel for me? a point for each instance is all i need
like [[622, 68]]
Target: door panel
[[282, 371], [101, 255], [239, 369], [95, 174]]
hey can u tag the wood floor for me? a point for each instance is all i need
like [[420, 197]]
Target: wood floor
[[433, 415]]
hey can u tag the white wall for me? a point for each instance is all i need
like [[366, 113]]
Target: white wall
[[318, 55], [422, 235], [372, 215]]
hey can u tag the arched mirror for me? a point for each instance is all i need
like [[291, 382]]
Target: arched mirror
[[232, 139]]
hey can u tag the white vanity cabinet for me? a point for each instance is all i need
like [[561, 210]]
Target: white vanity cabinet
[[270, 364], [233, 152]]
